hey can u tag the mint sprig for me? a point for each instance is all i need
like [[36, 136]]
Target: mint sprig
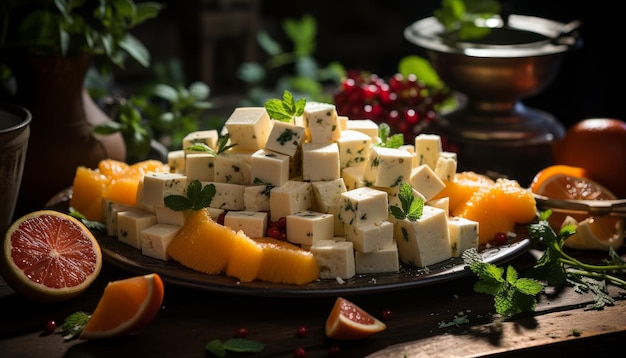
[[412, 206], [387, 139], [285, 110], [198, 197], [93, 226], [222, 146], [74, 325], [238, 345]]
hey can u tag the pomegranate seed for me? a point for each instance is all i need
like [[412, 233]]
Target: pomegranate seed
[[301, 332], [51, 326], [299, 352], [282, 222], [273, 232], [387, 314], [241, 332], [500, 238], [334, 350]]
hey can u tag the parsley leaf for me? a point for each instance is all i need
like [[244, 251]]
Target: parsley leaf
[[198, 197], [222, 146], [285, 110], [387, 139], [412, 206], [74, 325], [239, 345]]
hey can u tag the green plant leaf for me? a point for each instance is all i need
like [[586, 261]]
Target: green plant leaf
[[421, 68]]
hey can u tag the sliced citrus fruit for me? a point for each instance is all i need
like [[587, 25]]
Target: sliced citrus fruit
[[284, 262], [87, 192], [596, 233], [49, 256], [517, 202], [125, 307], [348, 321], [462, 187], [245, 261]]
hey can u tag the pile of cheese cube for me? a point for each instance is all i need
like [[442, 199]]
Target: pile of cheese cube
[[326, 174]]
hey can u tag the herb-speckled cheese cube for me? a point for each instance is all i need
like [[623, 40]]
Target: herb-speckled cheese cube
[[446, 167], [335, 258], [307, 227], [394, 200], [233, 167], [353, 177], [387, 167], [427, 149], [109, 213], [463, 235], [166, 215], [441, 203], [268, 167], [379, 261], [227, 196], [363, 206], [208, 137], [249, 128], [424, 180], [321, 122], [320, 162], [200, 166], [370, 237], [130, 223], [252, 223], [156, 186], [366, 126], [290, 198], [257, 197], [176, 161], [425, 241], [354, 148], [285, 138], [327, 199], [156, 239]]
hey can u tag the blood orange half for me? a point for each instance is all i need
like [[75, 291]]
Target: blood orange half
[[348, 321], [49, 256]]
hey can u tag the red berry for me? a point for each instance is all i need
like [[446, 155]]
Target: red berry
[[334, 350], [301, 332], [299, 352], [51, 326], [282, 222], [273, 232], [387, 314], [500, 238], [241, 332]]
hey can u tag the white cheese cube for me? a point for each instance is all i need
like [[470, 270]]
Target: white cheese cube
[[156, 239], [130, 223], [343, 122], [157, 186], [139, 200], [441, 203], [321, 122], [320, 162], [257, 197], [253, 224], [394, 200], [109, 214], [335, 258], [425, 241], [227, 196], [176, 161], [166, 215], [363, 206], [445, 168], [233, 167], [285, 138], [354, 148], [366, 126], [269, 168], [370, 237], [215, 213], [208, 137], [307, 227], [327, 199], [387, 167], [249, 128], [427, 148], [411, 149], [200, 166], [379, 261], [290, 198], [424, 180], [353, 177], [463, 235]]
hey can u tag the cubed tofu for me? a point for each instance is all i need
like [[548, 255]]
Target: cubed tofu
[[157, 186], [249, 128], [370, 237], [130, 223], [425, 241], [354, 148], [269, 168], [307, 227], [321, 123], [290, 198], [387, 167], [363, 206], [335, 258], [285, 138], [320, 162], [156, 239], [252, 223], [463, 235], [424, 180]]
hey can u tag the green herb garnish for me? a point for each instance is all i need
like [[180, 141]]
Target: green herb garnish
[[462, 19], [239, 345], [222, 146], [412, 206], [387, 139], [285, 110], [91, 225], [197, 198], [74, 325]]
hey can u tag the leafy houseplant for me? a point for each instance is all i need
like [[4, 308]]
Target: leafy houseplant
[[46, 47]]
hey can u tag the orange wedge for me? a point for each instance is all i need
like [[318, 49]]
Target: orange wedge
[[126, 306], [348, 321], [284, 262], [245, 261]]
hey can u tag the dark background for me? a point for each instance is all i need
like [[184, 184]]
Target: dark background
[[368, 35]]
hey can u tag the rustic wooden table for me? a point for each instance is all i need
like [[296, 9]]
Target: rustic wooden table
[[190, 318]]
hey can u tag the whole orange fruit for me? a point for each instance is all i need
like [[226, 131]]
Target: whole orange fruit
[[599, 146]]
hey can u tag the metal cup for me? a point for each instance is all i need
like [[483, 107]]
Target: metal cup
[[14, 133]]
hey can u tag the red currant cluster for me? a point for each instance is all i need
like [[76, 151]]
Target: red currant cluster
[[407, 105], [277, 229]]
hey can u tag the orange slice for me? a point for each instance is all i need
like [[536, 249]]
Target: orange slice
[[50, 256], [284, 262], [89, 185], [348, 321], [125, 307], [245, 260], [596, 233], [569, 183]]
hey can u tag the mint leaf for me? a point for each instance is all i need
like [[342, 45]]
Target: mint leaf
[[216, 347], [387, 139], [93, 226], [412, 206], [74, 325], [285, 110], [243, 345], [197, 198]]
